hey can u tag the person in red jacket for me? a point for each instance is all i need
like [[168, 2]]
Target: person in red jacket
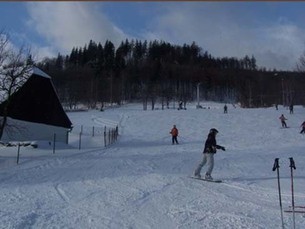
[[174, 133]]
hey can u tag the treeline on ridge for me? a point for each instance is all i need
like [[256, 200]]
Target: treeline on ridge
[[158, 71]]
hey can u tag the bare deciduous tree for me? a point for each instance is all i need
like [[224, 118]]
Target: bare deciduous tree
[[15, 66], [301, 63]]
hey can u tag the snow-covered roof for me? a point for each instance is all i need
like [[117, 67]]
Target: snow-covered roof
[[37, 71], [29, 72]]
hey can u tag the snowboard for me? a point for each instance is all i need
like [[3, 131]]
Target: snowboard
[[214, 181]]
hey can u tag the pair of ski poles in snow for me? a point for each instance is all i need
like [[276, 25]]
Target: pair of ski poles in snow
[[276, 167]]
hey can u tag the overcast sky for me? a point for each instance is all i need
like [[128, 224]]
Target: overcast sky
[[274, 32]]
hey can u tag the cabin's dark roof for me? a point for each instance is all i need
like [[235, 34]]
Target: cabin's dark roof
[[37, 101]]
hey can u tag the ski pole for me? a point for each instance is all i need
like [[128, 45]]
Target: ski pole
[[292, 166], [276, 167]]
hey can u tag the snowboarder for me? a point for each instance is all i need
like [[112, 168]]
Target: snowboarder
[[225, 109], [303, 128], [283, 119], [174, 133], [210, 149]]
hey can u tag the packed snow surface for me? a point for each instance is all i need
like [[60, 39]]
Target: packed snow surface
[[142, 180]]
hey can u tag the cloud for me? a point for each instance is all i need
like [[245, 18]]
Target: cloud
[[281, 46], [223, 29], [65, 25], [225, 32]]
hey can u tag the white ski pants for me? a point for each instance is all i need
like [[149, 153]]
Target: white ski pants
[[209, 159]]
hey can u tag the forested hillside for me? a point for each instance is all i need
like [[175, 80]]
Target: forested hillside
[[157, 71]]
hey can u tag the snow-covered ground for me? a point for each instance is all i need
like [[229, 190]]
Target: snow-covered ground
[[142, 181]]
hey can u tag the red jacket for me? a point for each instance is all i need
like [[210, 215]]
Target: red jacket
[[174, 132]]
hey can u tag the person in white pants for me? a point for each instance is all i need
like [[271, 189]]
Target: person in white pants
[[210, 148]]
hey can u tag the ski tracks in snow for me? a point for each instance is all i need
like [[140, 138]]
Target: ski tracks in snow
[[104, 122], [210, 207], [62, 193]]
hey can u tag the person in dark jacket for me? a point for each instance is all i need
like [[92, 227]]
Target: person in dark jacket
[[225, 109], [210, 149], [291, 108]]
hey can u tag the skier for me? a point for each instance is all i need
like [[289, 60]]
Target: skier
[[225, 109], [283, 119], [291, 108], [303, 128], [174, 133], [210, 149]]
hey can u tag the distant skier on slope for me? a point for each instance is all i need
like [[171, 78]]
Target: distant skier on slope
[[180, 105], [174, 132], [225, 109], [283, 119], [210, 149], [291, 108]]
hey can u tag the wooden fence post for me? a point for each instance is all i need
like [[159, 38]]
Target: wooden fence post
[[80, 141], [105, 140], [116, 132], [109, 137], [18, 153], [54, 141]]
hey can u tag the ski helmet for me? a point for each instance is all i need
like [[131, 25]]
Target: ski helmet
[[213, 130]]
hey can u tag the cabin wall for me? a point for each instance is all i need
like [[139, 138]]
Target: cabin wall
[[18, 130]]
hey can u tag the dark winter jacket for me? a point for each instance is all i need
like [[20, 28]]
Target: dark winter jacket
[[211, 145]]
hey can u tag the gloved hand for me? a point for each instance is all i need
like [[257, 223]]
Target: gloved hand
[[223, 148]]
